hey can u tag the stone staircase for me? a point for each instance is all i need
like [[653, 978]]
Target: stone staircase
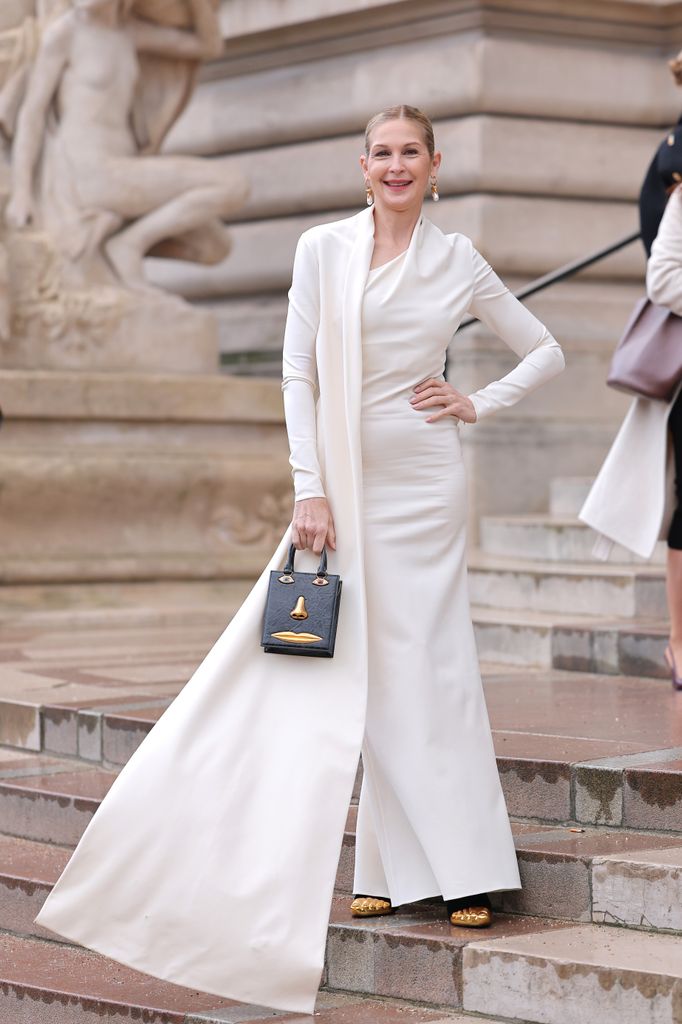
[[590, 762], [540, 597]]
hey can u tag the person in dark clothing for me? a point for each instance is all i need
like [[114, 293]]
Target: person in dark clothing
[[675, 424], [663, 175], [662, 178]]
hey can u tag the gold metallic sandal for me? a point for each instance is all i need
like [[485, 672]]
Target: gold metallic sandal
[[472, 917], [370, 906]]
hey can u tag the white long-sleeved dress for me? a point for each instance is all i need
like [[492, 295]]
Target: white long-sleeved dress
[[432, 818], [212, 859]]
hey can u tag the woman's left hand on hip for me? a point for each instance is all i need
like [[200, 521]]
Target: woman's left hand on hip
[[434, 392]]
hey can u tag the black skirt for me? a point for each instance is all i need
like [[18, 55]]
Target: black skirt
[[675, 424]]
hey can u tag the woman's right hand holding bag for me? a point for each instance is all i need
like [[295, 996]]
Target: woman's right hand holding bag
[[312, 525]]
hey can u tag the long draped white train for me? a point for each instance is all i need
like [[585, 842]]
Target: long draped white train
[[211, 861]]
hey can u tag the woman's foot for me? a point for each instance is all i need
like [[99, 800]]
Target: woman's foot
[[470, 911], [671, 662], [370, 906]]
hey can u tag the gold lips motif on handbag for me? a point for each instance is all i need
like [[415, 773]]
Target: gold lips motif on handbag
[[301, 610]]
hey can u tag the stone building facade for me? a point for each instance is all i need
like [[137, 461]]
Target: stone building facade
[[547, 113]]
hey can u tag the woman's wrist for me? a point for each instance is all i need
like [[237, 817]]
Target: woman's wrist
[[476, 407], [312, 524], [309, 497]]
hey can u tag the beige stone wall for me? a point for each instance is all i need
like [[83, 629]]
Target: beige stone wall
[[127, 476], [547, 114]]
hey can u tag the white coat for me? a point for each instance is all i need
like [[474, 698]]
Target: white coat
[[632, 499], [211, 862]]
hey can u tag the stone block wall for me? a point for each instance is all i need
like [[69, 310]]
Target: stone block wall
[[547, 114], [128, 476]]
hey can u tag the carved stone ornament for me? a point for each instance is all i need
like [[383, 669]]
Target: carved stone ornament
[[88, 91]]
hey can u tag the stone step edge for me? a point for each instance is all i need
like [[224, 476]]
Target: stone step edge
[[449, 1015], [597, 973], [255, 1015], [583, 644], [483, 561], [554, 630], [547, 830], [581, 885], [490, 615], [122, 616], [188, 566], [569, 643], [531, 850], [398, 934], [596, 780], [553, 525], [108, 1006], [395, 932]]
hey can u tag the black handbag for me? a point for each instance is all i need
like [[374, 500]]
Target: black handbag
[[301, 610]]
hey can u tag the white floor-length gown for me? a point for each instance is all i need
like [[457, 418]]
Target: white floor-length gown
[[211, 861], [432, 818]]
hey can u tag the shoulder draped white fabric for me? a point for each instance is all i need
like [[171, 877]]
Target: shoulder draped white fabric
[[211, 861]]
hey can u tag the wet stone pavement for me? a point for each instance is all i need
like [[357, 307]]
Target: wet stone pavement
[[591, 766]]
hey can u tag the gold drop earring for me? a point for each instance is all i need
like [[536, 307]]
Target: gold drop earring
[[369, 192], [434, 189]]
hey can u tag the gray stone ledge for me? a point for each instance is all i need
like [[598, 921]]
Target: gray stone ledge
[[46, 395], [452, 75], [262, 33], [481, 153]]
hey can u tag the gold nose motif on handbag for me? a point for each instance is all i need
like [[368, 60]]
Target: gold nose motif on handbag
[[299, 609]]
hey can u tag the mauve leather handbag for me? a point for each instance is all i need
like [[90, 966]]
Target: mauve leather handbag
[[648, 359], [301, 610]]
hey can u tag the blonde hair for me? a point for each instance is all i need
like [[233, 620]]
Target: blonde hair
[[402, 110]]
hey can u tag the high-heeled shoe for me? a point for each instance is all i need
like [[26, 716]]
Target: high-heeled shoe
[[670, 661], [370, 906], [470, 911], [472, 917]]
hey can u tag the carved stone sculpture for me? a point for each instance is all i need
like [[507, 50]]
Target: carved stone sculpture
[[87, 97], [4, 267], [18, 46]]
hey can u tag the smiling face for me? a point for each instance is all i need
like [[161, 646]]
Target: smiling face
[[399, 165]]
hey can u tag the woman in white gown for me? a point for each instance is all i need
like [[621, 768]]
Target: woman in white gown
[[432, 819], [211, 862]]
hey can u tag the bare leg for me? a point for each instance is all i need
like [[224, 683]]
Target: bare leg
[[674, 584], [126, 250], [160, 198]]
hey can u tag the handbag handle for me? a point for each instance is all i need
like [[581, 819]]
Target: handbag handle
[[321, 569]]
